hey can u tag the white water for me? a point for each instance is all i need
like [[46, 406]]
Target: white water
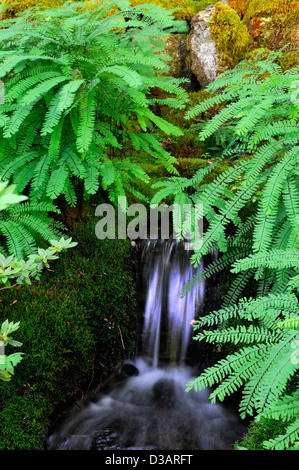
[[166, 269], [152, 410]]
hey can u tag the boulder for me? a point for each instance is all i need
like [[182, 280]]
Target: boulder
[[177, 48], [218, 41], [203, 52], [274, 32], [164, 393]]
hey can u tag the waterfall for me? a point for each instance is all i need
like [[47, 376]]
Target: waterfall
[[166, 269], [150, 409]]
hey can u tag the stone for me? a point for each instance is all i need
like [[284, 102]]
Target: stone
[[203, 51], [164, 393], [274, 32], [177, 47]]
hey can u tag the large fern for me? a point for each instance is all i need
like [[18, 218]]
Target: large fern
[[78, 82]]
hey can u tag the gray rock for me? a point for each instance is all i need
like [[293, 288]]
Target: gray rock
[[204, 57]]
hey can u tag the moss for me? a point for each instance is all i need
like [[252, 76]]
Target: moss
[[260, 431], [274, 23], [24, 420], [10, 8], [185, 9], [230, 35], [257, 8], [73, 324], [289, 60], [240, 6]]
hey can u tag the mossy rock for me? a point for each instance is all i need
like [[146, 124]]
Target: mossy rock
[[287, 60], [184, 9], [274, 24], [11, 8], [218, 41], [230, 35]]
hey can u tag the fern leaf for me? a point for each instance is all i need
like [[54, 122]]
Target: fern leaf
[[87, 123], [286, 440], [67, 94]]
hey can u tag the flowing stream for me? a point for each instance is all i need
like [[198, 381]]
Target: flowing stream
[[150, 409]]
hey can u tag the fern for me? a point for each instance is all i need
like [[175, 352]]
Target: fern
[[78, 79], [23, 226]]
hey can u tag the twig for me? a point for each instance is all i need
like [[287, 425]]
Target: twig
[[91, 376], [121, 337]]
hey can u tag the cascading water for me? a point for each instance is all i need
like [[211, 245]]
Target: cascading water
[[168, 318], [150, 409]]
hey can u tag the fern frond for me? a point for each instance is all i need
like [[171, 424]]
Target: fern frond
[[286, 440], [87, 123], [226, 366], [263, 390], [239, 334], [274, 259]]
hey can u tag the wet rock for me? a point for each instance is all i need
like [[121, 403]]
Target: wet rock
[[176, 47], [164, 393], [129, 370]]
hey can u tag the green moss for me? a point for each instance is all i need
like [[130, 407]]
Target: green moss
[[24, 420], [230, 35], [239, 6], [258, 8], [73, 324], [289, 60], [185, 9], [260, 431]]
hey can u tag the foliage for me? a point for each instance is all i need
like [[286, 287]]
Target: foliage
[[22, 271], [8, 196], [24, 226], [252, 213], [7, 363], [76, 98]]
